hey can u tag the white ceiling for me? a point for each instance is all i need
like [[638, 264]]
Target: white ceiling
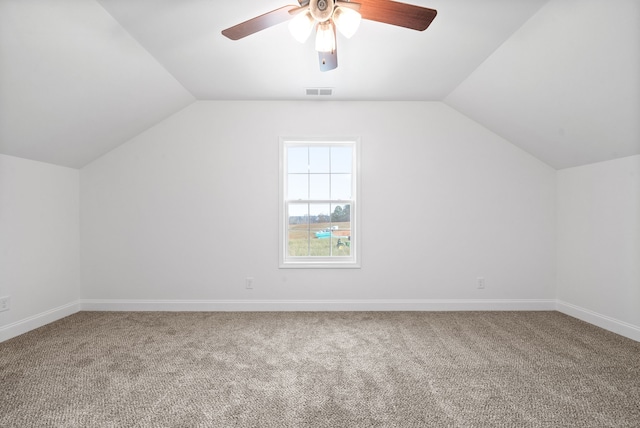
[[558, 78]]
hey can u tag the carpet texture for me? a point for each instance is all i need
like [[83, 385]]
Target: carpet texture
[[324, 369]]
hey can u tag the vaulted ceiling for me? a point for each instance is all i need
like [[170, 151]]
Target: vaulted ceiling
[[558, 78]]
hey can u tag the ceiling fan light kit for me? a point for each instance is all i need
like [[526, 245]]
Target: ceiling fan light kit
[[327, 15], [325, 37], [347, 21], [300, 27]]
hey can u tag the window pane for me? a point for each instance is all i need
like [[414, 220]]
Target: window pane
[[341, 229], [297, 186], [341, 246], [298, 213], [298, 159], [298, 230], [341, 159], [340, 186], [341, 233], [319, 159], [320, 225], [341, 215], [298, 244], [320, 247], [319, 187], [319, 215]]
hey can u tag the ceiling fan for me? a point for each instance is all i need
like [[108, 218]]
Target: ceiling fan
[[327, 15]]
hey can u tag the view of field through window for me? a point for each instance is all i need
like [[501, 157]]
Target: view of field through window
[[319, 192]]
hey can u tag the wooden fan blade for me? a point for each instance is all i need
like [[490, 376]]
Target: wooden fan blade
[[297, 10], [259, 23], [348, 4], [395, 13]]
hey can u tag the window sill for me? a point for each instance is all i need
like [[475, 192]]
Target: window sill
[[319, 265]]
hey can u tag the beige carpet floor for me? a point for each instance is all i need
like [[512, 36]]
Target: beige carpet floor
[[325, 369]]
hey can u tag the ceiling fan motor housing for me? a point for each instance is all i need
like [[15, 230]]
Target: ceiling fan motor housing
[[321, 10]]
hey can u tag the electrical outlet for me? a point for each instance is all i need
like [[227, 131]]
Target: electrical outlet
[[249, 283], [480, 282], [5, 303]]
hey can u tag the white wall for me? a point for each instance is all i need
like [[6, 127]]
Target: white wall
[[39, 243], [188, 209], [599, 244], [177, 218]]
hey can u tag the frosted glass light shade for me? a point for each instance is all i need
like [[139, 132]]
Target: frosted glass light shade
[[301, 26], [347, 21], [325, 37]]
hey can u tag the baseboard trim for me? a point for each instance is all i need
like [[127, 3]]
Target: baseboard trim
[[36, 321], [320, 305], [603, 321], [608, 323]]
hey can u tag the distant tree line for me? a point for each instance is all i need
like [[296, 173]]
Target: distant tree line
[[339, 214]]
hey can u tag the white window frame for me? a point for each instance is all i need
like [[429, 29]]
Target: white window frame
[[351, 261]]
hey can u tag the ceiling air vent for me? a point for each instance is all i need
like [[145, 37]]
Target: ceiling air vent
[[319, 91]]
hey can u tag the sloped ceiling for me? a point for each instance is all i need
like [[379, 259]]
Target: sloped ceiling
[[74, 84], [566, 86], [80, 77]]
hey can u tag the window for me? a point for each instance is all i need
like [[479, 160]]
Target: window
[[318, 203]]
